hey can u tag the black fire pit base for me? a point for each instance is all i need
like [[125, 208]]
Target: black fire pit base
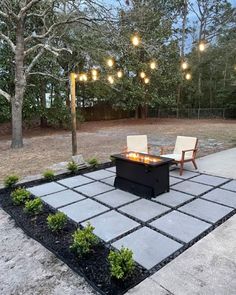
[[134, 188]]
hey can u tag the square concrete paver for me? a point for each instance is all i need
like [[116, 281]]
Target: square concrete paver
[[222, 196], [193, 188], [62, 198], [99, 174], [94, 188], [46, 189], [210, 180], [174, 180], [109, 180], [230, 185], [180, 226], [75, 181], [144, 209], [173, 198], [83, 210], [186, 174], [116, 198], [206, 210], [148, 246], [112, 224], [112, 169]]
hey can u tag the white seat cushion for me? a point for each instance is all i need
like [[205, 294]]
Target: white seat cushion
[[185, 143], [137, 143], [176, 157]]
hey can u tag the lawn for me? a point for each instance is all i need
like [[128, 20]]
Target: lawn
[[45, 147]]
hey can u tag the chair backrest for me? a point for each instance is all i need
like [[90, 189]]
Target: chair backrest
[[137, 143], [185, 143]]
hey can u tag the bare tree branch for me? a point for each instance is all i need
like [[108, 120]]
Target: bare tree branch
[[50, 48], [49, 75], [3, 14], [28, 6], [33, 62], [8, 40], [5, 94]]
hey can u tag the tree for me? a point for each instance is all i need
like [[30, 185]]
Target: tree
[[30, 29]]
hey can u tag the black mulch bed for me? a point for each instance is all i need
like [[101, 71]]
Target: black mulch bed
[[94, 267]]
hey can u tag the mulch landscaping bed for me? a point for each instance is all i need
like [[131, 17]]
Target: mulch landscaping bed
[[94, 267]]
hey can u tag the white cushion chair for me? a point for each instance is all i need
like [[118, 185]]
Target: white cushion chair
[[137, 143], [185, 150]]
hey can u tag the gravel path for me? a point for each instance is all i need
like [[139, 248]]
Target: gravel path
[[27, 268]]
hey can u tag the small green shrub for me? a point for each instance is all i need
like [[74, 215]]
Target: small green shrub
[[49, 175], [84, 240], [20, 196], [93, 161], [11, 180], [57, 221], [72, 167], [34, 206], [121, 263]]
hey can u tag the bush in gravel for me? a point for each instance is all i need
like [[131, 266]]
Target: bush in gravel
[[49, 175], [72, 167], [20, 196], [11, 180], [57, 221], [93, 161], [121, 263], [84, 240], [34, 206]]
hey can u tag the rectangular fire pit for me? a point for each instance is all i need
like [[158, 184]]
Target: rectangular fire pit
[[143, 175]]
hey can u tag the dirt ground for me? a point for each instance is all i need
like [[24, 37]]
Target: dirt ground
[[45, 147]]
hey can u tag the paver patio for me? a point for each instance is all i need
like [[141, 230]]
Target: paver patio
[[152, 229]]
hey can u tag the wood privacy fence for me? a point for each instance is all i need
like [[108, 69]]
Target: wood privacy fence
[[193, 113]]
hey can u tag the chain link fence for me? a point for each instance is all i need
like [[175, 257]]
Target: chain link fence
[[193, 113]]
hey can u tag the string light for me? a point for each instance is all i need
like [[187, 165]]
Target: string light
[[135, 40], [75, 76], [110, 79], [94, 72], [119, 74], [142, 75], [201, 46], [146, 80], [83, 78], [153, 65], [188, 76], [184, 65], [110, 62], [94, 78]]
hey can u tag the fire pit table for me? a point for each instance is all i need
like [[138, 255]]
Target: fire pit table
[[143, 175]]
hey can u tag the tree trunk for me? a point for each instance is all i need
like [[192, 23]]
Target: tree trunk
[[43, 118], [20, 83]]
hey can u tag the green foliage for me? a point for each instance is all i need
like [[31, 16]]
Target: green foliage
[[84, 240], [121, 263], [20, 196], [57, 221], [34, 206], [72, 166], [49, 175], [11, 180], [93, 161]]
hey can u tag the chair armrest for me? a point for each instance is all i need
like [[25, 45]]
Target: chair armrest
[[190, 150]]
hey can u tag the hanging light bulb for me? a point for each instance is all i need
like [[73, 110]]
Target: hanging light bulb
[[142, 75], [110, 79], [110, 62], [201, 46], [119, 74], [75, 76], [184, 65], [146, 80], [94, 72], [153, 65], [135, 40], [188, 76], [94, 78]]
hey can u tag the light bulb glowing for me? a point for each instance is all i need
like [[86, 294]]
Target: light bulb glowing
[[135, 40], [119, 74], [146, 80], [188, 76], [110, 79], [184, 65], [110, 62], [94, 78], [142, 75], [75, 76], [201, 46], [83, 78], [94, 72], [153, 65]]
